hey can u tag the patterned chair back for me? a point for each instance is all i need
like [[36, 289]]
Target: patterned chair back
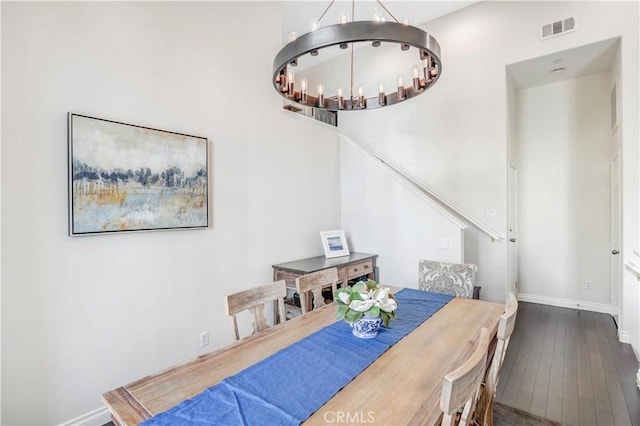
[[449, 278]]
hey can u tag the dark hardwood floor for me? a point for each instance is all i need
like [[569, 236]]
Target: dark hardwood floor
[[567, 365]]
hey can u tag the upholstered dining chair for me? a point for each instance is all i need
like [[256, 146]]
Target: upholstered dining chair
[[314, 283], [460, 387], [456, 279], [506, 324], [254, 300]]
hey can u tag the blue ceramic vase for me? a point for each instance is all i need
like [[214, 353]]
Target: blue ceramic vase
[[366, 327]]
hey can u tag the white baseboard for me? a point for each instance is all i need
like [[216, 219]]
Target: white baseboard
[[566, 303], [97, 417], [624, 336]]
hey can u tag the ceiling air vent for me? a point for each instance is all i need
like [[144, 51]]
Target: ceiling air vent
[[557, 28]]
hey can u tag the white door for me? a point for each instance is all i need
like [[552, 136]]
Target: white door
[[512, 285], [616, 264]]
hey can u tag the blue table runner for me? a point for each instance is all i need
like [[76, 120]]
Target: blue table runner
[[327, 360]]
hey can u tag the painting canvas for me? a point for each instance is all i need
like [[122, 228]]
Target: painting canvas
[[124, 177]]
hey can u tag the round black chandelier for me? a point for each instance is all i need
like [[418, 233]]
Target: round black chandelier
[[425, 73]]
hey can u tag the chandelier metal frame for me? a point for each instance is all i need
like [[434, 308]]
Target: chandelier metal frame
[[353, 32]]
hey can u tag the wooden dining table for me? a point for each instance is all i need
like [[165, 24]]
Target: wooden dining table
[[401, 387]]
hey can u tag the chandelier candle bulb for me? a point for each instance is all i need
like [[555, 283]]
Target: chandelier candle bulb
[[400, 87], [291, 81], [343, 17], [314, 24], [381, 96], [339, 98], [361, 97], [281, 82], [293, 36], [427, 70], [434, 70], [320, 96], [416, 78], [303, 90]]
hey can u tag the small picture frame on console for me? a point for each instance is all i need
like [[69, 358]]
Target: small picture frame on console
[[334, 244]]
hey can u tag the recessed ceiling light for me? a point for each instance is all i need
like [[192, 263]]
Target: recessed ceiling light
[[558, 70]]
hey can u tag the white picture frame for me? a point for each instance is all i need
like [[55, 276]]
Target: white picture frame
[[334, 243]]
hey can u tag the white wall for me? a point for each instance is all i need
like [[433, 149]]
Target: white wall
[[385, 217], [454, 137], [81, 316], [564, 137]]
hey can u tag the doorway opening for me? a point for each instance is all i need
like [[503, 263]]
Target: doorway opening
[[562, 144]]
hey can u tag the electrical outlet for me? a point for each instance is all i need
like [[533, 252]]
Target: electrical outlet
[[204, 339], [588, 285]]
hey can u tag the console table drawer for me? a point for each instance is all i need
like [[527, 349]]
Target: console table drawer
[[359, 269], [349, 267]]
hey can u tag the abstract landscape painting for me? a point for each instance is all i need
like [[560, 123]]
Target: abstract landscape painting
[[130, 178]]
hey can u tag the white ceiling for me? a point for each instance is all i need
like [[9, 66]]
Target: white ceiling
[[578, 62], [296, 14]]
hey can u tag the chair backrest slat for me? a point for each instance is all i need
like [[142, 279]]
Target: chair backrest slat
[[460, 387], [508, 319], [314, 283], [506, 325], [254, 300]]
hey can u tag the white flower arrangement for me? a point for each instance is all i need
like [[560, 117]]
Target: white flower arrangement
[[365, 298]]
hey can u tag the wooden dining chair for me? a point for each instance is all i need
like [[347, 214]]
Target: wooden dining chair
[[254, 300], [314, 283], [506, 324], [460, 387]]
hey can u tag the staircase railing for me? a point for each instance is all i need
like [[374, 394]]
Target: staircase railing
[[428, 194], [406, 184]]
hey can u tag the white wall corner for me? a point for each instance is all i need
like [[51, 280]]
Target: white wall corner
[[624, 336], [566, 303], [97, 417]]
